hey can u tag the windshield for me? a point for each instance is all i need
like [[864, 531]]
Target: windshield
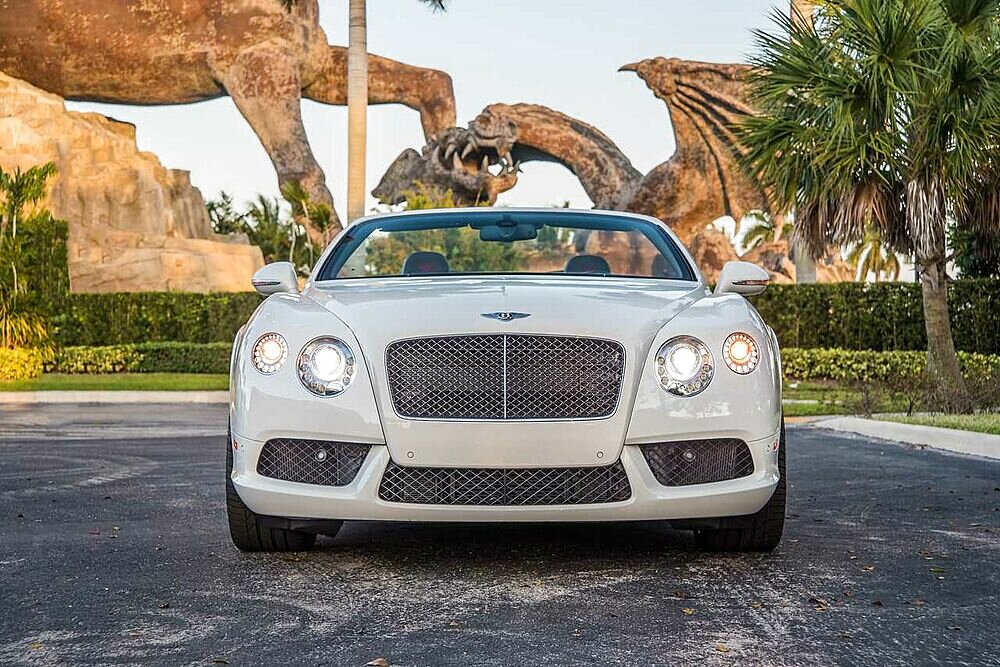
[[506, 242]]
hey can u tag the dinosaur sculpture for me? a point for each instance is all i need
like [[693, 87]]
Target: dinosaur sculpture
[[262, 54], [701, 182]]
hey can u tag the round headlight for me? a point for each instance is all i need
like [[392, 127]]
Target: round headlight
[[326, 366], [684, 366], [269, 353], [741, 353]]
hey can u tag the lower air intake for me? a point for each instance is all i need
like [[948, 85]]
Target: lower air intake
[[698, 461], [510, 487], [311, 461]]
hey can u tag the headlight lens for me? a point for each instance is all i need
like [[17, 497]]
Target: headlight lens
[[270, 353], [741, 353], [326, 366], [684, 366]]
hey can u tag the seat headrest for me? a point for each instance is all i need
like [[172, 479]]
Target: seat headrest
[[587, 264], [425, 262]]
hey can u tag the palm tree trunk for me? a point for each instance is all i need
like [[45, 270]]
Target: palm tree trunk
[[357, 109], [942, 360]]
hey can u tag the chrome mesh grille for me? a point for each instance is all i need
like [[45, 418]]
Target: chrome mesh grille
[[311, 461], [505, 487], [698, 461], [505, 377]]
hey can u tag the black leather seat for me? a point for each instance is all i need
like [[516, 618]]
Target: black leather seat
[[425, 262], [587, 264]]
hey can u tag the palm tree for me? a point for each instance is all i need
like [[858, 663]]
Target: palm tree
[[764, 230], [872, 256], [884, 113], [357, 104], [20, 190]]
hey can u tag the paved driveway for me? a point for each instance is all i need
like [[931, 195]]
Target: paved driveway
[[113, 549]]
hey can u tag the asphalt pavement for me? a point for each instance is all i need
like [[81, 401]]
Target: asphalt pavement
[[114, 550]]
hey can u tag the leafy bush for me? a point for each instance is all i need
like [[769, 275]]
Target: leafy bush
[[169, 357], [123, 317], [879, 316], [863, 365], [20, 363]]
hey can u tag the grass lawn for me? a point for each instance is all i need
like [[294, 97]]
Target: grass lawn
[[831, 399], [980, 423], [121, 382]]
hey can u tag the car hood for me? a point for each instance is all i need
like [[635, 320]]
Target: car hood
[[380, 311]]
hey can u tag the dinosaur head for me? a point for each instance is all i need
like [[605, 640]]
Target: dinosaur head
[[475, 163], [659, 73]]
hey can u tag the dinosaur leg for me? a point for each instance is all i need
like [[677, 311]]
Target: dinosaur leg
[[265, 85], [428, 91]]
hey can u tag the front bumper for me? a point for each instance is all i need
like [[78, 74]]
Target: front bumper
[[650, 500]]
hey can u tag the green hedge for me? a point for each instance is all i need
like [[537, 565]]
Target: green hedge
[[798, 364], [857, 316], [20, 363], [139, 317], [849, 365], [879, 316], [169, 357]]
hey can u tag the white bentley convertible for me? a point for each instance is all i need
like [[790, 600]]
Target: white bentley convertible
[[506, 365]]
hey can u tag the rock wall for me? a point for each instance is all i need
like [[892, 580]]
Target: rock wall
[[134, 225]]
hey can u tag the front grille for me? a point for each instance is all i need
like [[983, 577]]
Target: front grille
[[505, 377], [505, 487], [698, 461], [311, 461]]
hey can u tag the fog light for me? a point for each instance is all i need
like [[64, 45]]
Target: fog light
[[321, 455], [688, 455]]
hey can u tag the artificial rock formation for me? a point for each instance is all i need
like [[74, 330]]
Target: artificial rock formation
[[133, 224], [264, 55], [700, 183]]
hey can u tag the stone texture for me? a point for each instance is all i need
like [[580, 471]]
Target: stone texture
[[711, 249], [264, 55], [133, 224], [701, 182]]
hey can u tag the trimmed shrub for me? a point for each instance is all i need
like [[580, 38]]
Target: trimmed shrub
[[879, 316], [139, 317], [20, 363], [857, 316], [168, 357], [856, 365]]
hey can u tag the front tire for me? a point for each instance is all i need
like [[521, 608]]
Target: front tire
[[248, 530], [756, 532]]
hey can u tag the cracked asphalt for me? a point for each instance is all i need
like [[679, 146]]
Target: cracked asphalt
[[114, 550]]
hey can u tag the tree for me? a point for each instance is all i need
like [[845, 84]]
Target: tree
[[20, 193], [977, 255], [763, 231], [871, 256], [280, 236], [884, 113], [22, 190], [357, 104]]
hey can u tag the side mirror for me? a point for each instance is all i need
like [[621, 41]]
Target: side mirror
[[276, 277], [742, 278]]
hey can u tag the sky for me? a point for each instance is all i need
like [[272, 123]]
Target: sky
[[560, 53]]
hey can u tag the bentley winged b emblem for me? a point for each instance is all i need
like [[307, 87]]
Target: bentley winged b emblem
[[506, 317]]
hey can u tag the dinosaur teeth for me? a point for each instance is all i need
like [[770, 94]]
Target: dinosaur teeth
[[448, 152], [469, 147], [456, 161], [485, 165]]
